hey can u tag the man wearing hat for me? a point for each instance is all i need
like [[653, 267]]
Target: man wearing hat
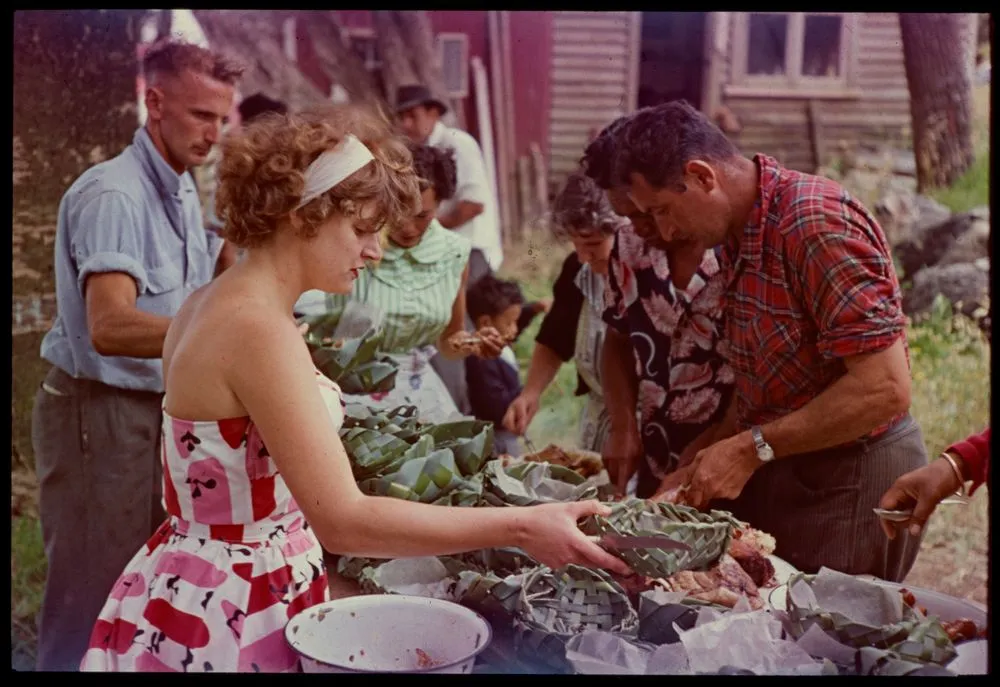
[[472, 212]]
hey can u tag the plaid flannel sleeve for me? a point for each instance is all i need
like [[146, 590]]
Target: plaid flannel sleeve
[[842, 271]]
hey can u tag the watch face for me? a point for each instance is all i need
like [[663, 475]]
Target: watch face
[[765, 453]]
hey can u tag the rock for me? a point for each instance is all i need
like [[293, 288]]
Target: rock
[[972, 246], [930, 244], [904, 214], [966, 286]]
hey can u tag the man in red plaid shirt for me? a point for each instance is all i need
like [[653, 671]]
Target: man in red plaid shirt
[[819, 427]]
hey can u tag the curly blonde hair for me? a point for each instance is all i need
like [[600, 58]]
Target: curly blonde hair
[[262, 173]]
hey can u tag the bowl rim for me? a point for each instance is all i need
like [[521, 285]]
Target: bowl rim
[[406, 599]]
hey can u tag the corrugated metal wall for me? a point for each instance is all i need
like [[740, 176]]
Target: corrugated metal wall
[[592, 56]]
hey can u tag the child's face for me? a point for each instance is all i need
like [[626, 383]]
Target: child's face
[[505, 322]]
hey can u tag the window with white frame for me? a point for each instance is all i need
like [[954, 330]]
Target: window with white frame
[[364, 45], [453, 52], [794, 50]]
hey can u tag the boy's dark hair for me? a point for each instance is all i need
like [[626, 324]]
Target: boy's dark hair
[[658, 141], [598, 161], [436, 168], [491, 296], [258, 104]]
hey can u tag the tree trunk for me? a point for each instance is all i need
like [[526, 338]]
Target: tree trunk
[[254, 38], [397, 66], [935, 54], [336, 59], [74, 98], [410, 55]]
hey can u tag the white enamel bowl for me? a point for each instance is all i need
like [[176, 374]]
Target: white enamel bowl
[[383, 633]]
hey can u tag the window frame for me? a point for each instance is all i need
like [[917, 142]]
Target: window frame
[[354, 32], [462, 38], [793, 82]]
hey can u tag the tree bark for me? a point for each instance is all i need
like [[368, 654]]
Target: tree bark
[[410, 55], [935, 53], [397, 67], [254, 37], [336, 59]]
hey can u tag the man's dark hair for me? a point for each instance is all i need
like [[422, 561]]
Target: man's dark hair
[[598, 161], [436, 168], [491, 296], [257, 104], [581, 207], [658, 141]]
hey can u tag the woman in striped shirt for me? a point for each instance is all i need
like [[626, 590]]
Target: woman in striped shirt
[[418, 292]]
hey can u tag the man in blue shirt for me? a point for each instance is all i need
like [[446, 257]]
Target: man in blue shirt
[[130, 247]]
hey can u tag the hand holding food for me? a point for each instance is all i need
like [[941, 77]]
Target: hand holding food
[[484, 343], [520, 413], [721, 470], [920, 490]]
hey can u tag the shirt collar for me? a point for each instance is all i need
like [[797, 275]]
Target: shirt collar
[[427, 252], [437, 134], [169, 181], [751, 244]]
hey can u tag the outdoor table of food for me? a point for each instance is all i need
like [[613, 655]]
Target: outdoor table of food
[[713, 598]]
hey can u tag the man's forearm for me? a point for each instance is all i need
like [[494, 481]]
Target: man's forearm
[[463, 212], [134, 334], [618, 379], [846, 410]]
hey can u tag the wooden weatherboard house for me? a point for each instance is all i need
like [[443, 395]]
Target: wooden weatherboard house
[[790, 84]]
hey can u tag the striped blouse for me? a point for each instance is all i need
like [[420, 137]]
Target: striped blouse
[[414, 287]]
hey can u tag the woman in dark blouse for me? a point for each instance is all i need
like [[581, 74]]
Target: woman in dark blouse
[[573, 328]]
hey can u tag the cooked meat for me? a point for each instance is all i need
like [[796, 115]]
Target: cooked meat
[[762, 541], [961, 630], [466, 343], [756, 564], [723, 584], [584, 463], [634, 585]]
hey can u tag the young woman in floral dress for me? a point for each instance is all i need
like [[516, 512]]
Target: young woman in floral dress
[[256, 480]]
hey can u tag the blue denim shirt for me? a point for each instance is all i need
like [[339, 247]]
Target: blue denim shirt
[[132, 214]]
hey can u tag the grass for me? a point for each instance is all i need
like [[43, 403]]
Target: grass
[[972, 189], [536, 267]]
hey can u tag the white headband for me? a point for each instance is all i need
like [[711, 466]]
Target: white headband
[[333, 166]]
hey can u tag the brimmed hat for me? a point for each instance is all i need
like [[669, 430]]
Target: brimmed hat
[[416, 94]]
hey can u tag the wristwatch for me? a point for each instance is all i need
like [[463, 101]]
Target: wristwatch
[[765, 453]]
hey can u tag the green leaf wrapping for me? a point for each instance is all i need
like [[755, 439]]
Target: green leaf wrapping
[[548, 607], [393, 454], [707, 534], [423, 479], [471, 441], [353, 363], [912, 638], [528, 484]]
